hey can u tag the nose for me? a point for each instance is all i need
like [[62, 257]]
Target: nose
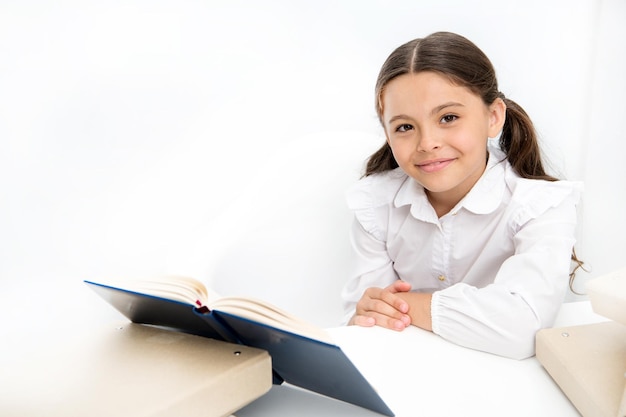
[[428, 141]]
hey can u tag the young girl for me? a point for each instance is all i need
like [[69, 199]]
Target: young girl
[[454, 233]]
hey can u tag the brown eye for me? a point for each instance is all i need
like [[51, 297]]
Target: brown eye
[[404, 128], [448, 118]]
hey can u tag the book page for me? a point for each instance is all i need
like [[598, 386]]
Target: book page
[[193, 292], [266, 313], [172, 287]]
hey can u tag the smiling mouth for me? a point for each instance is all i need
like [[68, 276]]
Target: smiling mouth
[[434, 166]]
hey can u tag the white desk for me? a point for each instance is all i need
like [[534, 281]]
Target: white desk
[[419, 374], [416, 372]]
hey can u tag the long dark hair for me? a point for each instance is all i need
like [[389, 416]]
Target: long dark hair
[[461, 61]]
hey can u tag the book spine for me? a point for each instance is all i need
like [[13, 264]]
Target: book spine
[[229, 334], [219, 325]]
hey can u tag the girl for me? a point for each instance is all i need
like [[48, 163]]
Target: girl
[[454, 233]]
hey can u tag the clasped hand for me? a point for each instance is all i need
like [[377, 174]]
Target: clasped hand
[[393, 307]]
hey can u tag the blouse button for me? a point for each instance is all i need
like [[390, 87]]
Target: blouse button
[[441, 278]]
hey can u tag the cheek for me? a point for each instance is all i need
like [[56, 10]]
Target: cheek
[[401, 150], [473, 138]]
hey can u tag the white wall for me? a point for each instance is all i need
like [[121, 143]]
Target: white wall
[[128, 127]]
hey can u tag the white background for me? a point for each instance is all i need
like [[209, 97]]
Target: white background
[[132, 133]]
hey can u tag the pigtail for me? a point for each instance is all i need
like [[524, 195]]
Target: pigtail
[[380, 161], [519, 142]]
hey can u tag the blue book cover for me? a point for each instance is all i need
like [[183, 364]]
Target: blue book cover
[[298, 357]]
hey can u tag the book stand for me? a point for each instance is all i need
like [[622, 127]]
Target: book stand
[[588, 362], [126, 369]]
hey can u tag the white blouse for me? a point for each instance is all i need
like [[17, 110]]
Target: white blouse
[[497, 264]]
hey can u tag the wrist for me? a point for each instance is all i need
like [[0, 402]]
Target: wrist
[[419, 309]]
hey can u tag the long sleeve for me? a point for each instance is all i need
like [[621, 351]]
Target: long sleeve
[[527, 291], [372, 267]]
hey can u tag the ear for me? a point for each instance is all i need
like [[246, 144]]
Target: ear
[[497, 116]]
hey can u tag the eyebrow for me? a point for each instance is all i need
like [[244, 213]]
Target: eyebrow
[[434, 111], [445, 105]]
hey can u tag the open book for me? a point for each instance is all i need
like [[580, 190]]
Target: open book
[[302, 354]]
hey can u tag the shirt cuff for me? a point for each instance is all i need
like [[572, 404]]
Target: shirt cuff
[[434, 312]]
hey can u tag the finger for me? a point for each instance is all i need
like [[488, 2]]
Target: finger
[[392, 323], [380, 301], [384, 314], [379, 320], [399, 286], [364, 321], [383, 301], [397, 303]]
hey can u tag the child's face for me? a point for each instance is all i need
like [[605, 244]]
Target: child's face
[[438, 132]]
